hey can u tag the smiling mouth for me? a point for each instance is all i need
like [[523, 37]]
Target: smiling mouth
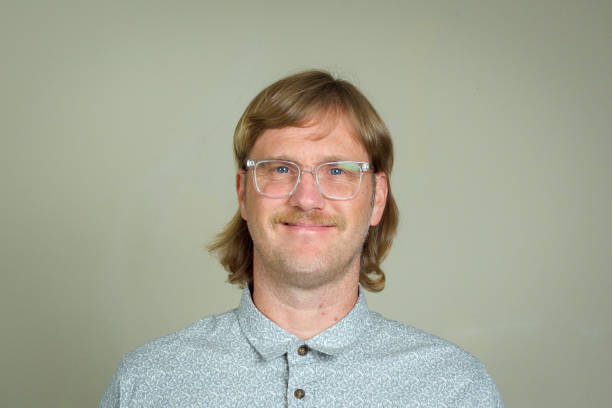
[[299, 221], [306, 224]]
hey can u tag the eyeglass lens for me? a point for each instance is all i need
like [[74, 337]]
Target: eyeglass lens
[[279, 178]]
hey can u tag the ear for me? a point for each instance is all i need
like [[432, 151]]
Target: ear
[[380, 198], [241, 191]]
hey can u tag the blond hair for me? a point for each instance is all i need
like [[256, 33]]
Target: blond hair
[[288, 102]]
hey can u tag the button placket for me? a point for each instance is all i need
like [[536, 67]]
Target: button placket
[[302, 374]]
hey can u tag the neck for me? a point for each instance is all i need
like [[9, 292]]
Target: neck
[[305, 312]]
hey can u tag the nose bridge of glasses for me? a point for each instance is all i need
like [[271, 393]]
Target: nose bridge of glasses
[[307, 193], [312, 172]]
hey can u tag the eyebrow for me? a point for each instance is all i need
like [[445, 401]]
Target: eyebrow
[[325, 159]]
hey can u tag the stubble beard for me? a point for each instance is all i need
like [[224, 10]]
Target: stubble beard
[[286, 266]]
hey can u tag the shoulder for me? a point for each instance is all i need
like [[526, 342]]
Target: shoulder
[[432, 361], [211, 335], [397, 336], [149, 372]]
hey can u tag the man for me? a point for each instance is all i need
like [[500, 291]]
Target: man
[[316, 217]]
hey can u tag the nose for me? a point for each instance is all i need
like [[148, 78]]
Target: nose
[[307, 195]]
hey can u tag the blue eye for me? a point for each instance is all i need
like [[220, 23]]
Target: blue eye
[[335, 171], [282, 169]]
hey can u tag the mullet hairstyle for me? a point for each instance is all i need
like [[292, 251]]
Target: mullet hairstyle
[[292, 101]]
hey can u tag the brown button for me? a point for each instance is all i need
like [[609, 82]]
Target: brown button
[[299, 393], [302, 350]]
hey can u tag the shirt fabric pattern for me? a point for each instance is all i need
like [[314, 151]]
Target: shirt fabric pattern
[[242, 359]]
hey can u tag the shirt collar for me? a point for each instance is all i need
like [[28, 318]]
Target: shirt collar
[[271, 341]]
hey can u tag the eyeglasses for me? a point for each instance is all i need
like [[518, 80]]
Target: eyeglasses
[[339, 180]]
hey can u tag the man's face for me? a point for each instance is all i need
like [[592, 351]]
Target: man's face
[[306, 239]]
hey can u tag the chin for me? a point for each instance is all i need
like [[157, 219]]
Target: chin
[[311, 270], [306, 264]]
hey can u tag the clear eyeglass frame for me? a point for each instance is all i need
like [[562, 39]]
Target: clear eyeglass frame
[[364, 167]]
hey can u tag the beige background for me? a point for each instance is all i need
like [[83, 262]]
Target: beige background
[[116, 170]]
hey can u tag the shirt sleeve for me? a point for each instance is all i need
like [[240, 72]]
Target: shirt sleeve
[[496, 397], [478, 390], [112, 395]]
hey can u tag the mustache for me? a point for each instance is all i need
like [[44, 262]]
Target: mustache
[[294, 217]]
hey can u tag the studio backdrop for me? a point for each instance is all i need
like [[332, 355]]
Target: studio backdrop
[[116, 171]]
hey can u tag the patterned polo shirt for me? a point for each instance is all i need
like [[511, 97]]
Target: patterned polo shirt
[[242, 359]]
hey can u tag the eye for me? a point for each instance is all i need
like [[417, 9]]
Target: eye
[[335, 171], [282, 169]]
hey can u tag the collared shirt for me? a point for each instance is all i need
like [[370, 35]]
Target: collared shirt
[[242, 359]]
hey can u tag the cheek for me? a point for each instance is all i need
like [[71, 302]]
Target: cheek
[[258, 210], [366, 200], [357, 213]]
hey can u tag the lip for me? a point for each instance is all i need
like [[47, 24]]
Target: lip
[[306, 227]]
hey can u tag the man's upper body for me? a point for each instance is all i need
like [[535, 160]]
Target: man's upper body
[[242, 359], [316, 218]]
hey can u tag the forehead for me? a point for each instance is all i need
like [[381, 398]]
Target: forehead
[[327, 136]]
